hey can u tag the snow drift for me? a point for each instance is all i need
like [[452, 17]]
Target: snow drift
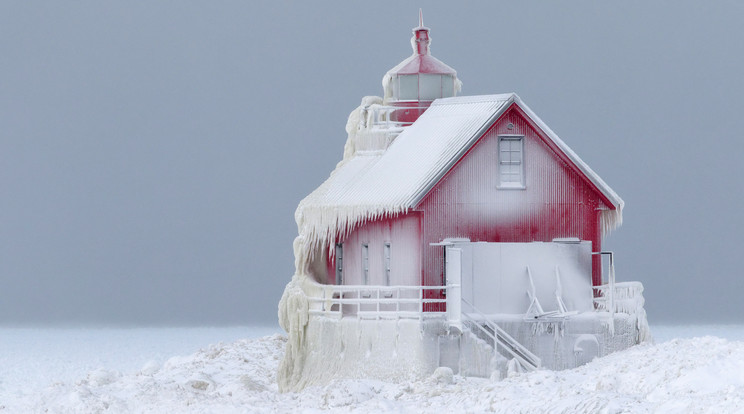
[[683, 375]]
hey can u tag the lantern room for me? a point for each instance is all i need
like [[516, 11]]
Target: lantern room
[[417, 81]]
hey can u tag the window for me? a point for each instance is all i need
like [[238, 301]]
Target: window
[[387, 263], [448, 86], [511, 165], [339, 263], [408, 87], [365, 264], [430, 87]]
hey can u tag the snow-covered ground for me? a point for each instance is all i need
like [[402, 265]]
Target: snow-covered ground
[[158, 370]]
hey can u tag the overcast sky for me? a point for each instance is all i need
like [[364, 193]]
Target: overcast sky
[[152, 153]]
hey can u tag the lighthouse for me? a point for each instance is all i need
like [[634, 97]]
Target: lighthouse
[[417, 81], [457, 232]]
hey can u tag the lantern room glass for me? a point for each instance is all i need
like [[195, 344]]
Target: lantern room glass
[[408, 87], [430, 87], [448, 86]]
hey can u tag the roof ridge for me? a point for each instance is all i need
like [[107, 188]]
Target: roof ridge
[[476, 99]]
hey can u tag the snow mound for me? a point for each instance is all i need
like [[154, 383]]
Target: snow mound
[[683, 375]]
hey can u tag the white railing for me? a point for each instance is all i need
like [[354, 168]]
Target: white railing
[[386, 117], [609, 293], [379, 116], [377, 302], [627, 297]]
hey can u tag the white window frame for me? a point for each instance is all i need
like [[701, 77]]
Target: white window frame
[[387, 253], [508, 165], [365, 263], [339, 263]]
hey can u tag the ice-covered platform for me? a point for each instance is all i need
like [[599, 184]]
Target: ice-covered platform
[[385, 332]]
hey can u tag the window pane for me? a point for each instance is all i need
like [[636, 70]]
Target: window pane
[[365, 264], [511, 172], [408, 90], [339, 263], [448, 86], [516, 156], [387, 263], [430, 87]]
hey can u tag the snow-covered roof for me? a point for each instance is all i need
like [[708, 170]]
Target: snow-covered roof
[[421, 64], [370, 185]]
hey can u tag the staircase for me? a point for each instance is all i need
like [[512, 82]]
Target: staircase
[[502, 342]]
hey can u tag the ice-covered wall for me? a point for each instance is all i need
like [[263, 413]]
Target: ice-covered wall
[[628, 299], [392, 350], [390, 177], [311, 251], [555, 202], [361, 134], [495, 277], [403, 235], [575, 340]]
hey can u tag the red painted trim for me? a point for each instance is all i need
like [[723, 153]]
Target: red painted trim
[[515, 108]]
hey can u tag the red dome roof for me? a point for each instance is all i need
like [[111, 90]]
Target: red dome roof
[[421, 61], [421, 64]]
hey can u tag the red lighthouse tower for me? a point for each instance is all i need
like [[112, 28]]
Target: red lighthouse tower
[[417, 81]]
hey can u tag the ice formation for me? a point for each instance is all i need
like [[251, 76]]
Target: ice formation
[[391, 179]]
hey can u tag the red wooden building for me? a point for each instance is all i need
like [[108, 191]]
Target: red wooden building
[[454, 229], [481, 168]]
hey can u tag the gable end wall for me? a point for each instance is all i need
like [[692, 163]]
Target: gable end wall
[[557, 201]]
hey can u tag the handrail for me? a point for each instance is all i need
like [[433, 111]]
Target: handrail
[[333, 298], [611, 279], [621, 293], [526, 358], [375, 300]]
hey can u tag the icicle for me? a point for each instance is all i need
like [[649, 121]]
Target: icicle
[[609, 220]]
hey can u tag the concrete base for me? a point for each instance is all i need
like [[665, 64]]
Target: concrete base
[[407, 350]]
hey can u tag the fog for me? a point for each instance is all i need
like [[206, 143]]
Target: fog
[[152, 153]]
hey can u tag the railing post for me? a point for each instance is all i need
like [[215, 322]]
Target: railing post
[[397, 302], [612, 286], [378, 303], [421, 304], [322, 303]]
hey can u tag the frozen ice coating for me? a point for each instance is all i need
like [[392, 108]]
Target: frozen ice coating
[[458, 235], [372, 184]]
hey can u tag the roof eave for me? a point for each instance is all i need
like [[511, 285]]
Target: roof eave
[[616, 202], [482, 130]]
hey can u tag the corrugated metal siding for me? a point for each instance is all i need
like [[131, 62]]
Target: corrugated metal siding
[[556, 202], [404, 235]]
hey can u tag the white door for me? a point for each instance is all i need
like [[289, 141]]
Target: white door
[[494, 275]]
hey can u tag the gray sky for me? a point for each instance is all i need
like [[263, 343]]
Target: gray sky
[[152, 153]]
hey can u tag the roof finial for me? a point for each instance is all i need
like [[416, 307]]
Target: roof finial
[[420, 40]]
